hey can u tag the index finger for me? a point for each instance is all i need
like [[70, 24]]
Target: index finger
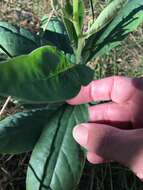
[[116, 88]]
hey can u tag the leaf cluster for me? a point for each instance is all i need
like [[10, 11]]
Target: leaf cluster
[[41, 71]]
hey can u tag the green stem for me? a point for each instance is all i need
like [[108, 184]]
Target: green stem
[[76, 23], [75, 16], [75, 8], [81, 42]]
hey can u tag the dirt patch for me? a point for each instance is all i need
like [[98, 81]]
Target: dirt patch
[[26, 13]]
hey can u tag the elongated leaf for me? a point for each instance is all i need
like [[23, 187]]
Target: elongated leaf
[[43, 76], [81, 13], [16, 40], [57, 160], [67, 17], [54, 33], [54, 25], [127, 20], [20, 132], [71, 32], [68, 9], [106, 15]]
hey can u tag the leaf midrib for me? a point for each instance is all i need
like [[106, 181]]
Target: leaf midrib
[[60, 150], [51, 75]]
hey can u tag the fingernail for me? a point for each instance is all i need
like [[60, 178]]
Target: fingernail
[[80, 133]]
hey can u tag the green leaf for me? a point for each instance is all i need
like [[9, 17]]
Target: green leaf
[[20, 132], [16, 41], [106, 16], [29, 106], [54, 33], [127, 20], [43, 76], [68, 9], [54, 25], [71, 32], [3, 56], [81, 13], [78, 16], [57, 160], [67, 17]]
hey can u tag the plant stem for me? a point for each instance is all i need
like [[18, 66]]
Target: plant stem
[[55, 4], [78, 31], [50, 16], [92, 9], [75, 8], [81, 42], [75, 17]]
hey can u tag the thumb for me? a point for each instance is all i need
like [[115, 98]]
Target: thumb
[[124, 146], [101, 139]]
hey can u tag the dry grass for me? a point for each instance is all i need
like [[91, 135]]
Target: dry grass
[[12, 172]]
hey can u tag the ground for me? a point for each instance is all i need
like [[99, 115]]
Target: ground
[[125, 60]]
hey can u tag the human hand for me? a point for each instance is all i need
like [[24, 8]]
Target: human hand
[[100, 137]]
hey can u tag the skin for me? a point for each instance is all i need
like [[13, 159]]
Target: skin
[[115, 128]]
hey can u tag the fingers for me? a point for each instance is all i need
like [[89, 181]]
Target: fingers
[[99, 139], [95, 159], [96, 90], [118, 89], [118, 115], [104, 141]]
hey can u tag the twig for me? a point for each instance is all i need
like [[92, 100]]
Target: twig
[[92, 9], [50, 16], [5, 105]]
